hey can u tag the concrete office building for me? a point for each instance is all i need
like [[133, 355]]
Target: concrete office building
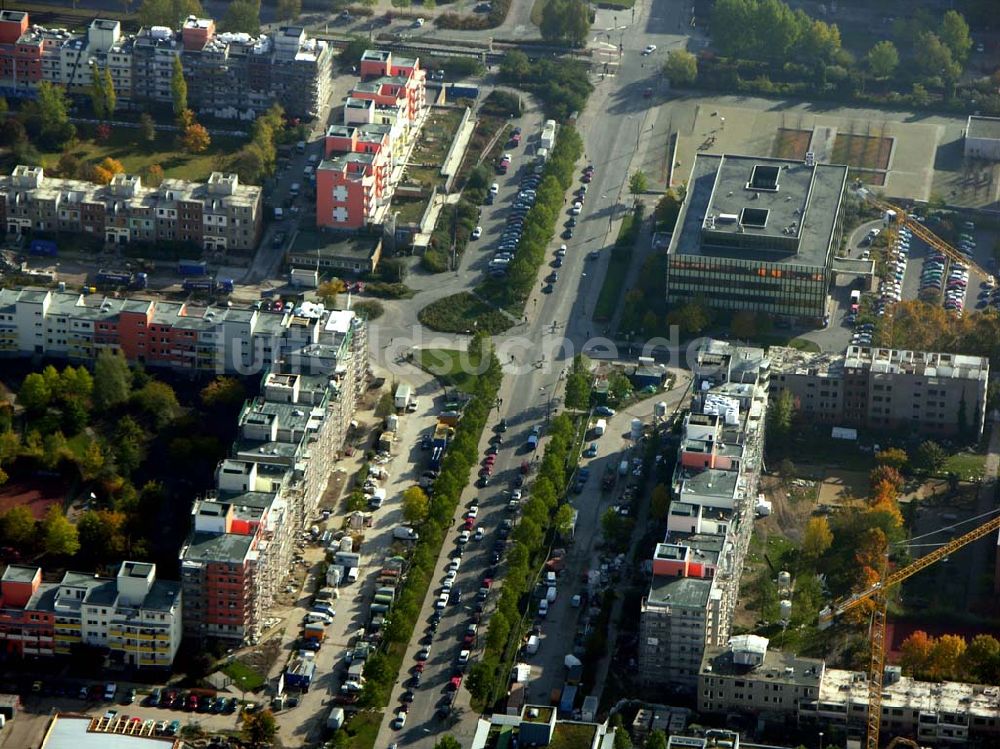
[[220, 214], [238, 554], [982, 138], [757, 234], [693, 594], [881, 388]]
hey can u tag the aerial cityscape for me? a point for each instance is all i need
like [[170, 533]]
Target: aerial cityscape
[[484, 374]]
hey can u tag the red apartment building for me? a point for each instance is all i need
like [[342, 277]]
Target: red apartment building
[[24, 630], [20, 58]]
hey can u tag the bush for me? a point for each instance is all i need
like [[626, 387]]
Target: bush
[[389, 290], [562, 84], [370, 309]]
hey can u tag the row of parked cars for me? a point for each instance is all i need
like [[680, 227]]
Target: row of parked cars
[[510, 237], [891, 288]]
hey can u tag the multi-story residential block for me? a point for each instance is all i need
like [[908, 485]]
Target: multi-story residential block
[[134, 616], [881, 388], [240, 549], [228, 74], [757, 234], [695, 584], [539, 725], [365, 155], [220, 214]]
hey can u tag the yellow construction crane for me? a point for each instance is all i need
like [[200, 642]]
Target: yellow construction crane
[[877, 594]]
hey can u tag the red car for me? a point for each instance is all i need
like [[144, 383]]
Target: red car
[[490, 460], [487, 582], [192, 703], [469, 524], [455, 683], [486, 470]]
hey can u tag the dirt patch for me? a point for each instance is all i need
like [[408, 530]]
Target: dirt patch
[[839, 488], [862, 151], [791, 144], [38, 495], [876, 179]]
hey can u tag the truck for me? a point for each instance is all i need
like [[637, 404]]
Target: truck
[[347, 559], [335, 719], [122, 278], [533, 643], [548, 138], [300, 671], [600, 427], [43, 247], [210, 285], [385, 594], [303, 277], [402, 398], [314, 631], [568, 698], [192, 267], [405, 533]]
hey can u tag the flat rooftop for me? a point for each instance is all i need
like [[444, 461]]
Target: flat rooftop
[[983, 127], [710, 482], [72, 732], [686, 592], [216, 547], [924, 363], [311, 246], [778, 667], [760, 208]]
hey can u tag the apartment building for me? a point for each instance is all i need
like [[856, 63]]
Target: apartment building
[[220, 214], [696, 570], [539, 725], [881, 388], [712, 738], [745, 676], [240, 549], [133, 616], [179, 335], [364, 156], [229, 75]]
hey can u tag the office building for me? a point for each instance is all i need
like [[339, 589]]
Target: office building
[[221, 214], [757, 234], [881, 388], [712, 738], [982, 138], [364, 157], [237, 557], [229, 75], [692, 597], [133, 616]]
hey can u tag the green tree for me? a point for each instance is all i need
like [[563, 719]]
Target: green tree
[[882, 59], [259, 729], [157, 402], [744, 324], [48, 116], [563, 520], [18, 527], [656, 740], [622, 739], [779, 415], [954, 32], [638, 182], [416, 505], [565, 21], [147, 128], [289, 10], [74, 383], [167, 12], [817, 538], [894, 457], [681, 67], [328, 290], [692, 318], [92, 460], [659, 503], [578, 385], [54, 449], [482, 679], [129, 445], [242, 16], [59, 536], [112, 381], [935, 58], [110, 95], [102, 534], [447, 742], [930, 457], [179, 88], [35, 393], [98, 92], [223, 392]]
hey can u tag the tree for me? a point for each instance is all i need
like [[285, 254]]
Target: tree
[[70, 166], [289, 10], [622, 739], [75, 383], [54, 449], [915, 653], [179, 88], [98, 92], [779, 415], [692, 318], [946, 656], [328, 290], [886, 474], [668, 209], [659, 503], [565, 21], [35, 393], [954, 33], [563, 520], [92, 460], [112, 381], [385, 405], [242, 16], [167, 12], [129, 445], [259, 728], [416, 505], [102, 534], [110, 95], [158, 402], [744, 324], [578, 384], [894, 457], [638, 182], [979, 656], [223, 392], [656, 740], [18, 527], [447, 742], [153, 175], [817, 538], [935, 59], [147, 128], [681, 67], [196, 138], [48, 116], [930, 457], [882, 59], [58, 535]]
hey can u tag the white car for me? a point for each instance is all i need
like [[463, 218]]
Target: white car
[[419, 22], [400, 716], [473, 512], [561, 252], [463, 657], [516, 495], [477, 232], [577, 208], [494, 188], [441, 602], [463, 538], [450, 575], [447, 585], [650, 49], [479, 534], [455, 563]]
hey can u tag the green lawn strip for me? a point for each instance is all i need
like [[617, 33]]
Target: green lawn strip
[[246, 677], [614, 281], [967, 466], [450, 366]]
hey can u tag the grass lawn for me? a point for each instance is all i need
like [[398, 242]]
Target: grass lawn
[[463, 313], [362, 729], [536, 11], [614, 280], [435, 139], [411, 210], [791, 144], [124, 146], [447, 366], [968, 466], [244, 676]]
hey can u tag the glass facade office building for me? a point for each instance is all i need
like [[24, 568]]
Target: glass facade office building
[[757, 234]]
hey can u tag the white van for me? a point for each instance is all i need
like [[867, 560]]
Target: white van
[[314, 616], [352, 575], [543, 607]]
